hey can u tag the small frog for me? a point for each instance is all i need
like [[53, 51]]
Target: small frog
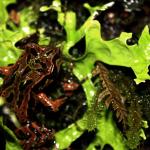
[[25, 81]]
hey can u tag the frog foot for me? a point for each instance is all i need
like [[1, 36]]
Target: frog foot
[[33, 136], [53, 104]]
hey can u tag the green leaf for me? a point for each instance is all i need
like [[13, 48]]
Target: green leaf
[[117, 52], [10, 145], [56, 5], [97, 7], [88, 86], [107, 134], [13, 143], [9, 53], [3, 13], [66, 136], [2, 101]]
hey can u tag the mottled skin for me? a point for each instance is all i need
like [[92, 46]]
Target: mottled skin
[[25, 80]]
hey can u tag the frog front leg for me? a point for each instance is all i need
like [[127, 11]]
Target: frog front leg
[[69, 87], [53, 104]]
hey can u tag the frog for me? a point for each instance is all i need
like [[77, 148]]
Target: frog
[[25, 81]]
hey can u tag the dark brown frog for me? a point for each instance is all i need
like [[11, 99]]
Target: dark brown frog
[[25, 81]]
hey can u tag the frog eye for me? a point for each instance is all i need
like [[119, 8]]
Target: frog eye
[[34, 49], [33, 38]]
